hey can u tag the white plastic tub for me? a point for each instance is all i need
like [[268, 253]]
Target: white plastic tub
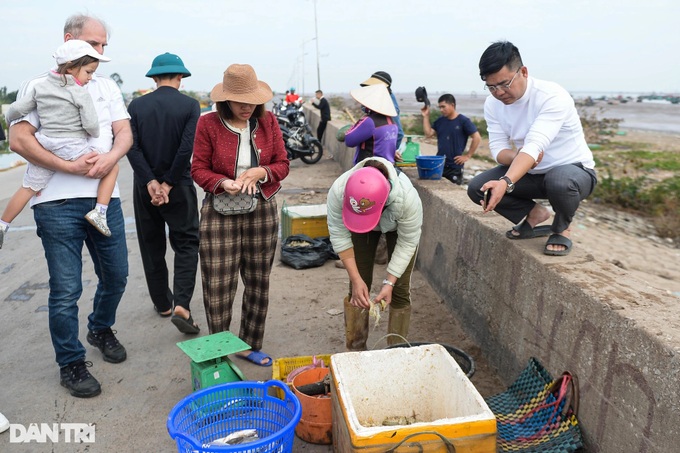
[[422, 386]]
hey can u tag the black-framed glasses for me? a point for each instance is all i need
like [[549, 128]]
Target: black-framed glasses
[[504, 86]]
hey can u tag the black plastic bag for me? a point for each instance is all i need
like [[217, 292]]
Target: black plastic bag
[[299, 251], [331, 253]]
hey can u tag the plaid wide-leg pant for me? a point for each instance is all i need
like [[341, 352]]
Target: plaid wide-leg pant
[[236, 245]]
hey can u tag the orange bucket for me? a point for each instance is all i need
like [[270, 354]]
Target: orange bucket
[[316, 424]]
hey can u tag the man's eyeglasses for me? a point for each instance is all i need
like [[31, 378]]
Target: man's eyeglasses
[[504, 86]]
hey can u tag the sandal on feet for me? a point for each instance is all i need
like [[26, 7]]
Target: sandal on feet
[[257, 357], [163, 314], [558, 239], [187, 326], [524, 231]]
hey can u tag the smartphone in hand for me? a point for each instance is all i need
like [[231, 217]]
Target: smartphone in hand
[[487, 196]]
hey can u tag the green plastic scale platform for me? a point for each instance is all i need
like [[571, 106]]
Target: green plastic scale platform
[[209, 362]]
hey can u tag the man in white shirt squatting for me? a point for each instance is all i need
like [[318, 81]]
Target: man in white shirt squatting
[[536, 137]]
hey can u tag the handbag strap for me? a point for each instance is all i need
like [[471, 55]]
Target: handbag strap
[[559, 388], [253, 156], [252, 123], [573, 396]]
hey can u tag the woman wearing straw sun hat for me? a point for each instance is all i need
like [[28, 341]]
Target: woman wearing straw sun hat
[[238, 149], [375, 134]]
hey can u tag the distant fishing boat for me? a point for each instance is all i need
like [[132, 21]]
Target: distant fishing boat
[[659, 99]]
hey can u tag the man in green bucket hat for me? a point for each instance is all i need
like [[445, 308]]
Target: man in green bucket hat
[[163, 126]]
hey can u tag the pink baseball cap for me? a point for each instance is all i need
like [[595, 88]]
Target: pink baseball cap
[[366, 193]]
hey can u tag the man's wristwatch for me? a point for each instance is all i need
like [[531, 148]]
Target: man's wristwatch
[[387, 282], [508, 181]]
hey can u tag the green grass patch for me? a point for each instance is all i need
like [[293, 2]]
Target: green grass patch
[[657, 200], [641, 160], [654, 160], [481, 126], [413, 124]]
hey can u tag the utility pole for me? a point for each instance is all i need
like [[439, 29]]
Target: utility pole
[[302, 93], [316, 37]]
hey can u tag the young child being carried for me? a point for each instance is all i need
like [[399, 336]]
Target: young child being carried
[[67, 119]]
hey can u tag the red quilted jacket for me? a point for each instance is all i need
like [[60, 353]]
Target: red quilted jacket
[[215, 153]]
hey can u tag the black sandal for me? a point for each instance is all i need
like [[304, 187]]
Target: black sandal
[[163, 315]]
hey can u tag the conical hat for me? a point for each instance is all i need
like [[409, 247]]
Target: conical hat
[[375, 98]]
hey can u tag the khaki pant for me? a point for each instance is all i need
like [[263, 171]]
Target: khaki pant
[[356, 319], [365, 245]]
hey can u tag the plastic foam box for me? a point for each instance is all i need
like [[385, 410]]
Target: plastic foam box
[[423, 386], [304, 219]]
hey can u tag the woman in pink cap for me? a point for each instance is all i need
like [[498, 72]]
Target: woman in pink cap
[[365, 202]]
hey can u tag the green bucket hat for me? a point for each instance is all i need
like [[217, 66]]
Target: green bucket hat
[[167, 63]]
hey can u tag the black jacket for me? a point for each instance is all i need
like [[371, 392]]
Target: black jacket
[[325, 108], [163, 126]]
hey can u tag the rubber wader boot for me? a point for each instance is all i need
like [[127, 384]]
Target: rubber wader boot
[[356, 327], [398, 323]]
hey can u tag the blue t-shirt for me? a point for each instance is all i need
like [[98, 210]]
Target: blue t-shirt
[[452, 137]]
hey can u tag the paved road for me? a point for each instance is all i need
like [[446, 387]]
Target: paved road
[[137, 395]]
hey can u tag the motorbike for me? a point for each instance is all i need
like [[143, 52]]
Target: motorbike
[[289, 111], [297, 134], [300, 142]]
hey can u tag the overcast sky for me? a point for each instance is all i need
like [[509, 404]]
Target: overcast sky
[[623, 46]]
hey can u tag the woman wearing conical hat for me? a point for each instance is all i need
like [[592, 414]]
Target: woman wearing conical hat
[[375, 134]]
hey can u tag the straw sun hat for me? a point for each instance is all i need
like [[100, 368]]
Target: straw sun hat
[[240, 84], [375, 98]]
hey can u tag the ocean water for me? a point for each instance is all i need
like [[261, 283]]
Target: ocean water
[[648, 116]]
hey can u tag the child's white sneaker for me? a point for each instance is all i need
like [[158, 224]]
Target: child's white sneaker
[[4, 424], [98, 220], [3, 231]]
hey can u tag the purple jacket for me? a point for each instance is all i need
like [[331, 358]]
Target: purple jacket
[[373, 135]]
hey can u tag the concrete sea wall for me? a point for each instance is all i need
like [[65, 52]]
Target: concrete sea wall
[[566, 311]]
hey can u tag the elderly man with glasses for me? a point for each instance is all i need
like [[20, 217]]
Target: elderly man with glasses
[[535, 135]]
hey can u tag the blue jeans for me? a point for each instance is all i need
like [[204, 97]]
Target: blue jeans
[[63, 229]]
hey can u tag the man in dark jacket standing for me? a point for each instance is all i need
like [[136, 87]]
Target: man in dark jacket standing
[[325, 109], [163, 127]]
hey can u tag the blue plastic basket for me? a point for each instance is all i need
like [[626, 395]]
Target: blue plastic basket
[[430, 167], [215, 412]]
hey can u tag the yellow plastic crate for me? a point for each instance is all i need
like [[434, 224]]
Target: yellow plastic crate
[[304, 219], [282, 367]]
